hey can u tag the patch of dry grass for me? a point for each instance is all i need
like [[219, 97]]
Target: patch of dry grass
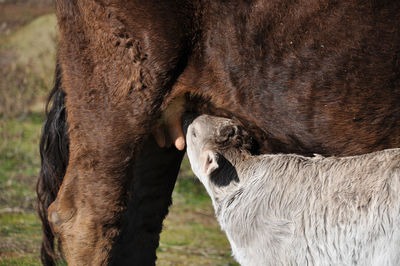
[[27, 61]]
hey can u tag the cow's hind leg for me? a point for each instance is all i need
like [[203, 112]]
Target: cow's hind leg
[[155, 174]]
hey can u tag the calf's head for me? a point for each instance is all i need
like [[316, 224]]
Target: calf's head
[[213, 147]]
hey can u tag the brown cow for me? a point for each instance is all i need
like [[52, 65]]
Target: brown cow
[[315, 76]]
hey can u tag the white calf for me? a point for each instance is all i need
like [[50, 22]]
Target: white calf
[[294, 210]]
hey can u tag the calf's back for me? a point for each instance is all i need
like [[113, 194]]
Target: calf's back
[[289, 209]]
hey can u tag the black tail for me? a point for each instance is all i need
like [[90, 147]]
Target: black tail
[[54, 154]]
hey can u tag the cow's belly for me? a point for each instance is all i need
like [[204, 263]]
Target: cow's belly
[[304, 84]]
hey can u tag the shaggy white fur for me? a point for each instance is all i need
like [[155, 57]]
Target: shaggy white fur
[[294, 210]]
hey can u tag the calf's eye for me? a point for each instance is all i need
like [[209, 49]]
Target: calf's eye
[[193, 133]]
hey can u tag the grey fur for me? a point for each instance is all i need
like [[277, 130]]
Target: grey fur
[[294, 210]]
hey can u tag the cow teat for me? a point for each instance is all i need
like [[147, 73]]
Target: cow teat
[[168, 130]]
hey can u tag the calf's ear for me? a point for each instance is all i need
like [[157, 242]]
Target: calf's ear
[[210, 162]]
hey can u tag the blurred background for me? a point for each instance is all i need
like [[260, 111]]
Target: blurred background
[[28, 40]]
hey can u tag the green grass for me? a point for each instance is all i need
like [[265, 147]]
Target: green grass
[[19, 161], [20, 239]]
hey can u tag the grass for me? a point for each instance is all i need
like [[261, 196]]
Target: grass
[[33, 46], [19, 163], [191, 234], [27, 59], [20, 239]]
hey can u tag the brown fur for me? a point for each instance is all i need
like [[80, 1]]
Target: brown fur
[[306, 77]]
